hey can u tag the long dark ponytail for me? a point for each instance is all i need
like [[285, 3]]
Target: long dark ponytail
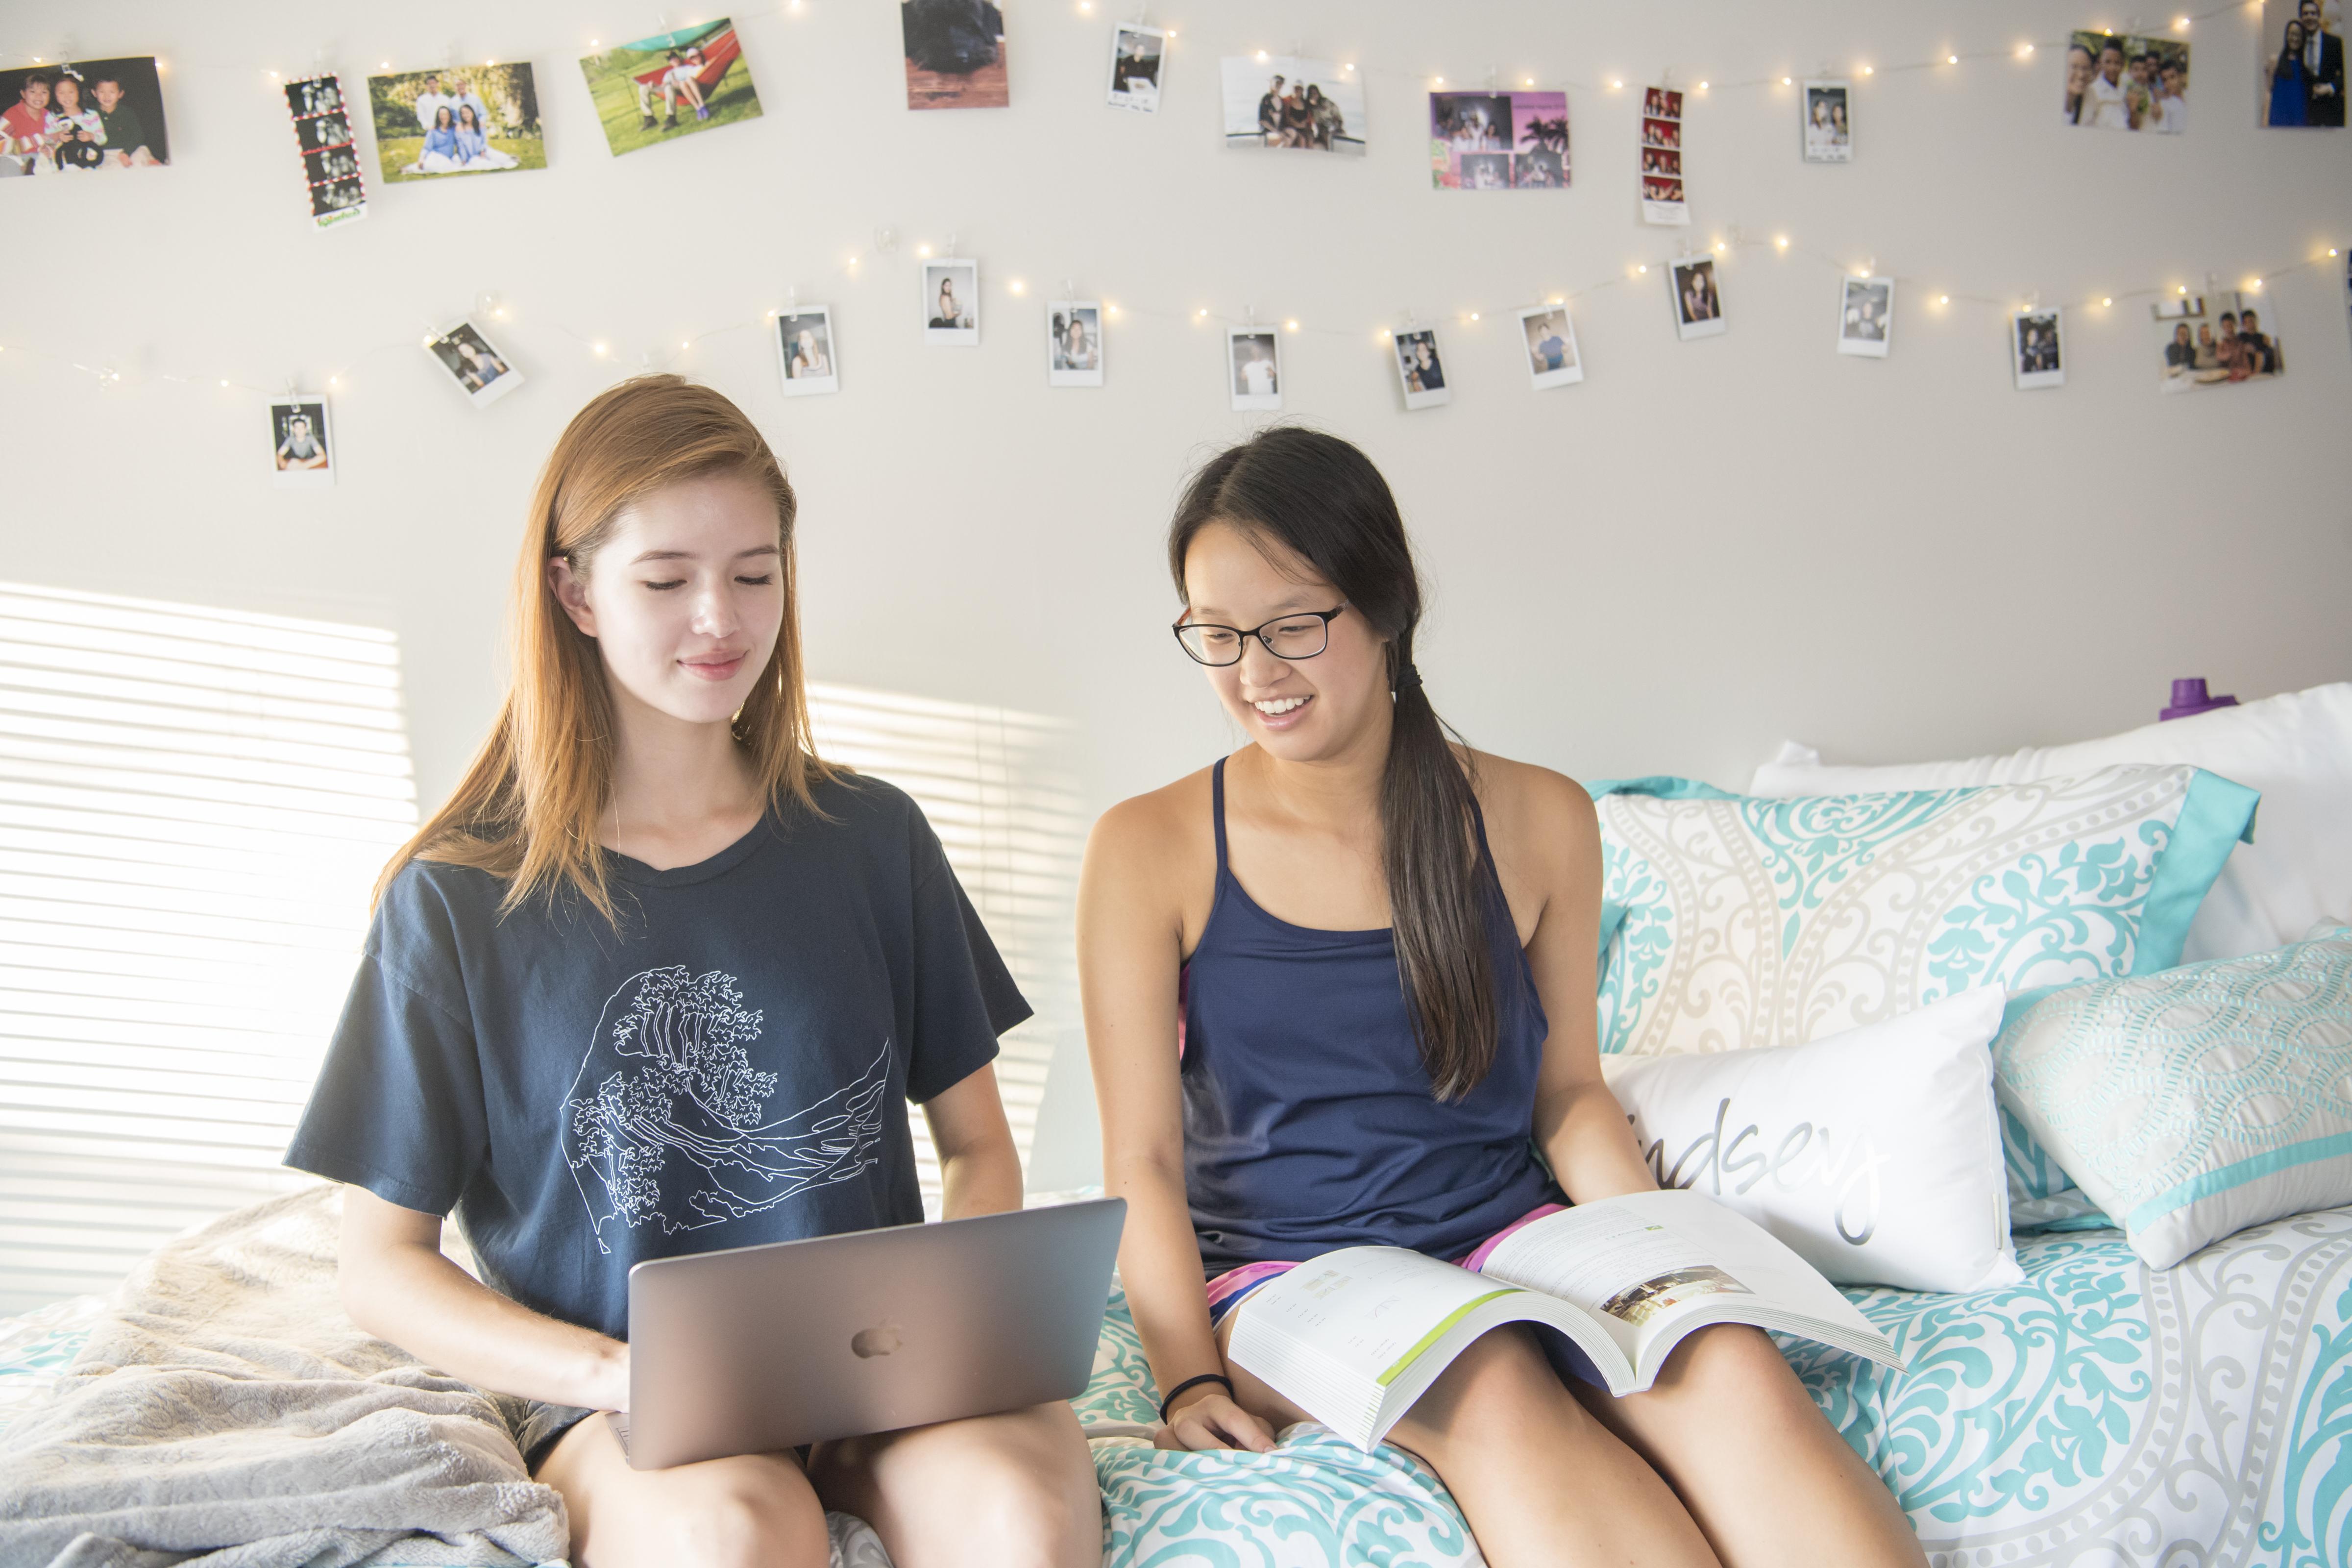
[[1323, 499]]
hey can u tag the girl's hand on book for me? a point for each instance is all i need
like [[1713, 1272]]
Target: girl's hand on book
[[1211, 1420]]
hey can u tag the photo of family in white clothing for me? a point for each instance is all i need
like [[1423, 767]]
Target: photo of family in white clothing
[[478, 120], [2118, 83]]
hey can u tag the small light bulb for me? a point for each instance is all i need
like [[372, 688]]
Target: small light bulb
[[1290, 326], [685, 343], [1110, 310], [273, 76], [1951, 59], [922, 250], [1943, 299], [489, 62], [1019, 287], [1785, 81], [223, 382], [2023, 50], [1614, 85], [595, 43], [2109, 301], [385, 65], [596, 349], [500, 312], [2255, 286], [1171, 32], [1261, 57], [1781, 240], [1473, 315], [1382, 334], [1866, 71], [1644, 267], [1529, 81], [772, 315], [1718, 247], [2184, 288], [2181, 23], [1702, 87], [2331, 250], [334, 381], [1201, 314], [1441, 81], [1559, 299], [1086, 5]]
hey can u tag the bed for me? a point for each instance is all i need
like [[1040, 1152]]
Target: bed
[[2101, 1413]]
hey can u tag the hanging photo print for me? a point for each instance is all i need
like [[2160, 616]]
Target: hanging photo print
[[481, 373], [330, 164], [1419, 373], [465, 120], [2037, 349], [1699, 309], [1829, 134], [2127, 83], [1662, 157], [2300, 53], [1137, 53], [1275, 101], [87, 118], [1254, 368], [951, 302], [2203, 348], [955, 53], [1551, 346], [804, 351], [1498, 141], [671, 85], [1866, 316], [1073, 344], [298, 456]]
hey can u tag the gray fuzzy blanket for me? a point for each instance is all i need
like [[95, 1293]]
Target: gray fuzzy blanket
[[227, 1411]]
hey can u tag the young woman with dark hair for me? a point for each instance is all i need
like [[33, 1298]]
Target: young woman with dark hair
[[1339, 991]]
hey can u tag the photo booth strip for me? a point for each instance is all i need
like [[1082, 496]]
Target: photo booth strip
[[330, 161], [1663, 201]]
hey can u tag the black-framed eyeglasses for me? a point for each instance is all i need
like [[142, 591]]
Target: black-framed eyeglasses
[[1300, 635]]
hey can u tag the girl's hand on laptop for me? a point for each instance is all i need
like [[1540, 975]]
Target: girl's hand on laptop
[[1211, 1420]]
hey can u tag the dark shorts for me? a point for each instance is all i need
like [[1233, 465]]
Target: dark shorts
[[543, 1427]]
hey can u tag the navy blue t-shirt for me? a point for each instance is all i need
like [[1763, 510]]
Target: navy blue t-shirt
[[728, 1067]]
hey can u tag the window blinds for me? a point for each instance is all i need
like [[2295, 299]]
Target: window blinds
[[193, 806], [1002, 791]]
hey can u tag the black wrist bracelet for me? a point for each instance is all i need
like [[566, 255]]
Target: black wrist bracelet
[[1193, 1382]]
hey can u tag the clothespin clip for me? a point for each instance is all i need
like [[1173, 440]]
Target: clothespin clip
[[954, 245], [1068, 292], [886, 241], [1249, 317], [1490, 78]]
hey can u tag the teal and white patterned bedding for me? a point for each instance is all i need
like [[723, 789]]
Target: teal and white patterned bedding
[[2100, 1414]]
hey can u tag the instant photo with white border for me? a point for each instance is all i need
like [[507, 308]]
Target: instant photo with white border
[[1073, 360], [292, 468], [500, 382], [1866, 316], [1136, 89], [961, 274], [1694, 318], [1419, 364], [1823, 140], [807, 368], [1254, 378], [1556, 324], [2036, 367]]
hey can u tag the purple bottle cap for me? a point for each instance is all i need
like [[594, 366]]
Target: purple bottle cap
[[2188, 697]]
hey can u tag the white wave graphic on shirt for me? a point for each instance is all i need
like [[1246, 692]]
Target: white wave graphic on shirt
[[664, 1122]]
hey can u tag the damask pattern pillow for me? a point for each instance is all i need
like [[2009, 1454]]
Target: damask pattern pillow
[[1730, 921], [2192, 1103]]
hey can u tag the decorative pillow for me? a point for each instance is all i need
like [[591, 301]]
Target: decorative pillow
[[2296, 748], [1736, 921], [2196, 1102], [1876, 1154]]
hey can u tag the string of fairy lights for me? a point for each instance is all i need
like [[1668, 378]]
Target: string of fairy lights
[[1730, 242]]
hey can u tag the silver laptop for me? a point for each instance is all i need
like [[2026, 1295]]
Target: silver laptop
[[761, 1348]]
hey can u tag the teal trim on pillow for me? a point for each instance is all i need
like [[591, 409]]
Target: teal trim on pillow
[[2215, 817], [2253, 1168], [1666, 787]]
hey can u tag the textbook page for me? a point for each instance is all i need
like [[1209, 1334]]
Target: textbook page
[[1651, 1267]]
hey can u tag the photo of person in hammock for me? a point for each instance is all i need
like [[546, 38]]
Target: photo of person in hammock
[[674, 84]]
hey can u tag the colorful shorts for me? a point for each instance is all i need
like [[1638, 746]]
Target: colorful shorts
[[1226, 1290]]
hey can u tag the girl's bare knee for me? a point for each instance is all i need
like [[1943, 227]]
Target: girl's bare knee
[[756, 1516]]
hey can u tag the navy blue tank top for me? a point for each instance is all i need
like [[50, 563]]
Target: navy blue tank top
[[1310, 1121]]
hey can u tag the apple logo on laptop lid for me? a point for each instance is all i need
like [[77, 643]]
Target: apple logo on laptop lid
[[868, 1343]]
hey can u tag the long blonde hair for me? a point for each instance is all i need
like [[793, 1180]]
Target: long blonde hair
[[527, 809]]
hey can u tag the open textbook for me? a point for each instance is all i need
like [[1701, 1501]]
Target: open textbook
[[1355, 1336]]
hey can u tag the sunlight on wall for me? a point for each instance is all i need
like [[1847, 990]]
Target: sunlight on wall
[[193, 806], [1001, 790]]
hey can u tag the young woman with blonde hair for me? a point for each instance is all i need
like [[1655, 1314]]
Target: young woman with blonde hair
[[1339, 991], [656, 980]]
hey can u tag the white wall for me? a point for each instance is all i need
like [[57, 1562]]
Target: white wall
[[1704, 548]]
